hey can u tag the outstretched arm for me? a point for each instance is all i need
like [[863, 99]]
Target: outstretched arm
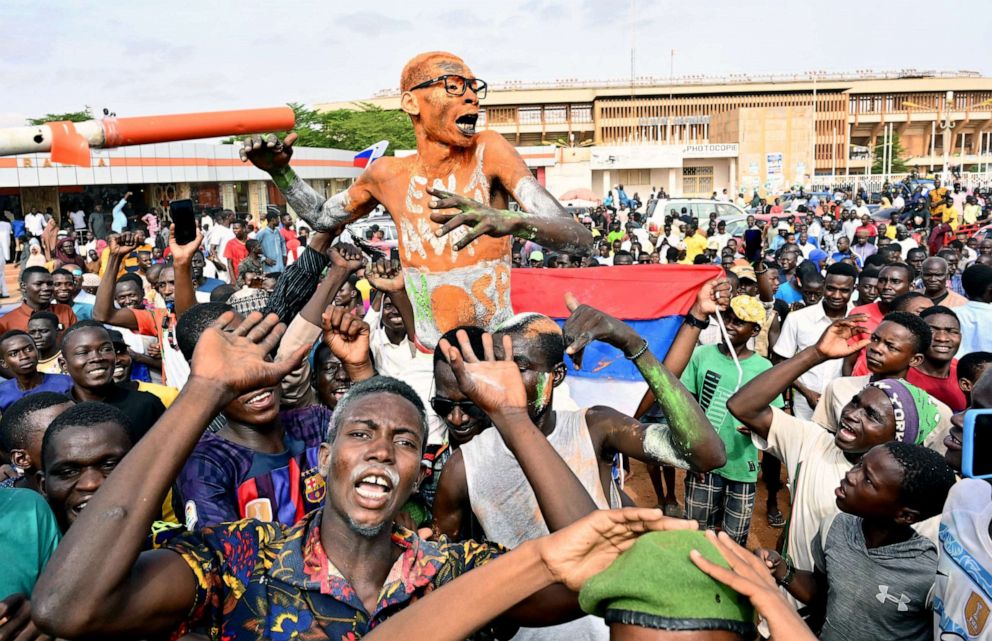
[[89, 591], [689, 441], [751, 404], [182, 262], [270, 154]]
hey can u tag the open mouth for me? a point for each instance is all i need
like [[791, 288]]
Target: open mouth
[[466, 124], [76, 509], [98, 371], [953, 440], [118, 371], [846, 434], [373, 490], [261, 401]]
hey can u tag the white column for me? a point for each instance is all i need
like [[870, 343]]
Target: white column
[[732, 192]]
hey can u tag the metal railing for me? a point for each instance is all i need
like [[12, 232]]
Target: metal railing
[[969, 179]]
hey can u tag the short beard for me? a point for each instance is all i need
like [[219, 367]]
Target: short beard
[[367, 531]]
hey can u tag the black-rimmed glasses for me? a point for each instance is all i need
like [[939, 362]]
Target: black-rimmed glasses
[[456, 85]]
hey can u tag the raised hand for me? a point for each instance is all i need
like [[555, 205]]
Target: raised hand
[[237, 357], [385, 275], [346, 335], [749, 576], [267, 152], [123, 244], [588, 324], [574, 554], [712, 296], [773, 561], [481, 219], [347, 256], [493, 385], [183, 254], [844, 337]]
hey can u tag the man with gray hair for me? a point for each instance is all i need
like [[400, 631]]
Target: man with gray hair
[[905, 240], [934, 274]]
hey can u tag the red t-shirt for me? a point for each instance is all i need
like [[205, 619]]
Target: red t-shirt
[[235, 251], [942, 389], [875, 315], [871, 229], [18, 317]]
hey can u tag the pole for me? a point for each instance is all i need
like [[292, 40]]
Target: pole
[[933, 142], [812, 151]]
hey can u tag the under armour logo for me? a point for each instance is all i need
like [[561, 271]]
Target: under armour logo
[[883, 596]]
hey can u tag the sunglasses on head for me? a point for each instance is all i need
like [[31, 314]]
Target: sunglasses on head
[[444, 407]]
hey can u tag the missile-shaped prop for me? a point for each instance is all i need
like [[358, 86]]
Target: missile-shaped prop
[[70, 142]]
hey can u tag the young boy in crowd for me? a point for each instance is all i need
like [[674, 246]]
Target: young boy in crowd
[[81, 447], [873, 574], [22, 429], [724, 498], [971, 367], [899, 343], [46, 331], [19, 356], [814, 458], [938, 373]]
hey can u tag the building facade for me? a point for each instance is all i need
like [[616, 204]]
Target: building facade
[[694, 136]]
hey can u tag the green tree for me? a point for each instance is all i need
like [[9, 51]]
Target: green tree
[[352, 129], [899, 165], [71, 116]]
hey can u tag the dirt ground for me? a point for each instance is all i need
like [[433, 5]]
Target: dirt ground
[[638, 486]]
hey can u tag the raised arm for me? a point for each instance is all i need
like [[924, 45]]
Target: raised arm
[[270, 154], [712, 296], [104, 309], [750, 404], [688, 441], [543, 220], [182, 262], [497, 388], [387, 277], [99, 583]]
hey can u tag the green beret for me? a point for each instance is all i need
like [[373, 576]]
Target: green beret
[[655, 585]]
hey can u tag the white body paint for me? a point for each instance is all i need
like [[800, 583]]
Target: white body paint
[[658, 443]]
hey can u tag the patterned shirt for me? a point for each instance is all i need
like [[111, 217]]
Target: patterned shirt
[[265, 581], [223, 481]]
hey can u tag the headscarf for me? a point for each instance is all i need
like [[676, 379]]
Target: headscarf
[[66, 259], [35, 258], [916, 413]]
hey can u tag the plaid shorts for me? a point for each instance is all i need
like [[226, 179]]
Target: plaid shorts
[[719, 504]]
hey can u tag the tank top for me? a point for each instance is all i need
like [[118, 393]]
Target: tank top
[[505, 505]]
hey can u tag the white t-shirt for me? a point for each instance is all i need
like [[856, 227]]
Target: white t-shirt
[[78, 219], [35, 224], [219, 237], [800, 330], [814, 465], [962, 604]]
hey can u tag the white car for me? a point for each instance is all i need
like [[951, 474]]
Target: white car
[[695, 207]]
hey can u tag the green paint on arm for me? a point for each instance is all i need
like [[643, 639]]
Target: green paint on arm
[[676, 402], [283, 178]]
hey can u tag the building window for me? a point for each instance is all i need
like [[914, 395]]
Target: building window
[[582, 114], [697, 181], [555, 115], [634, 177], [529, 115]]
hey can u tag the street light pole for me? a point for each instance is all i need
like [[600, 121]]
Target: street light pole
[[946, 123]]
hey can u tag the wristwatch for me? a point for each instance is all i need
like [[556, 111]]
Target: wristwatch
[[692, 321], [790, 572]]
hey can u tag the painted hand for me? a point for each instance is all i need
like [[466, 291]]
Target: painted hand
[[267, 152], [588, 324], [385, 275], [183, 254], [836, 341], [480, 219], [574, 554], [123, 244], [493, 385], [347, 256], [346, 335], [248, 346], [749, 576]]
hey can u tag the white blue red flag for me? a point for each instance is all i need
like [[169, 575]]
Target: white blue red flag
[[366, 157], [652, 299]]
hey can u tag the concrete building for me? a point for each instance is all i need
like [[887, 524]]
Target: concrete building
[[211, 174], [694, 136]]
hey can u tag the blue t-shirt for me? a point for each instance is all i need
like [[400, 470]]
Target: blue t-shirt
[[786, 292], [10, 392], [209, 285]]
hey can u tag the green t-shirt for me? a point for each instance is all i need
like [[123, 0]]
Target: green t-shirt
[[612, 236], [28, 537], [712, 378]]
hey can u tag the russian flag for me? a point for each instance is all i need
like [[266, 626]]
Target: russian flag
[[366, 157], [652, 299]]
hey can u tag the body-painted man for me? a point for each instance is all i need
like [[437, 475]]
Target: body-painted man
[[449, 201]]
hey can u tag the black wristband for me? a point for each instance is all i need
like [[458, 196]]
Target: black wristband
[[692, 321]]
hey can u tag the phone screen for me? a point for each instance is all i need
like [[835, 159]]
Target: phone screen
[[981, 465], [184, 220]]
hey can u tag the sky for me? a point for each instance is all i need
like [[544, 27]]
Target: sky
[[138, 57]]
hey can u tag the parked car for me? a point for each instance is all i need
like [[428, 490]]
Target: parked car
[[386, 225], [696, 207]]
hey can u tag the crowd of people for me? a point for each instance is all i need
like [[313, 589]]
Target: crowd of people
[[268, 433]]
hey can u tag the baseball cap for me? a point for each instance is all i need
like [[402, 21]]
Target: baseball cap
[[744, 271]]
